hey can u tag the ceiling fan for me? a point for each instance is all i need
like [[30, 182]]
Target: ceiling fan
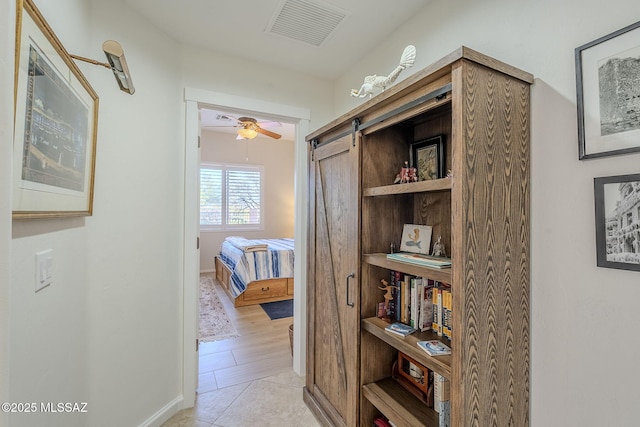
[[249, 128]]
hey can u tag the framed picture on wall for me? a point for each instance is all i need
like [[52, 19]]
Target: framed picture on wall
[[607, 80], [427, 157], [617, 202], [56, 112]]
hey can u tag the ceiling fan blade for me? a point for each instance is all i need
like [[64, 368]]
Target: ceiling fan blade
[[267, 132]]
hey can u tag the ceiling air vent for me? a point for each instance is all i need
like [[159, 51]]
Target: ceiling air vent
[[307, 21]]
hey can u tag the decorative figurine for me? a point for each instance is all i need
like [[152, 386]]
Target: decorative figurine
[[374, 82], [407, 174], [438, 248]]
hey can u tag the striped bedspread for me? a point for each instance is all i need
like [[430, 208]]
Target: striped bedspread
[[248, 266]]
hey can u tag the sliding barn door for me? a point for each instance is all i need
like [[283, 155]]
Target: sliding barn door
[[333, 295]]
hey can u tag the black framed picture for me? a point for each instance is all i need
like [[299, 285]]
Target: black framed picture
[[427, 156], [607, 79], [617, 202]]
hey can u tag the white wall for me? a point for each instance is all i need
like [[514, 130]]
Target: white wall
[[108, 331], [277, 157], [7, 31], [48, 330], [575, 306], [136, 232]]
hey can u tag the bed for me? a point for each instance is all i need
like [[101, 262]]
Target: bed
[[255, 271]]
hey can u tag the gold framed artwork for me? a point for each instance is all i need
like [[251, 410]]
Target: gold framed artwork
[[56, 115]]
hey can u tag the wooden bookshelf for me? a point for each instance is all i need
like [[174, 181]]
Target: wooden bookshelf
[[408, 345], [480, 108]]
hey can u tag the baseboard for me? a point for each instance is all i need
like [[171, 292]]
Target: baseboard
[[166, 412], [207, 271]]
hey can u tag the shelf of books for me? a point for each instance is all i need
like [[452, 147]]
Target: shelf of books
[[443, 184], [399, 405], [415, 324], [381, 260], [409, 345]]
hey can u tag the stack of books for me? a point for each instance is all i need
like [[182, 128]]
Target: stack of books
[[420, 259]]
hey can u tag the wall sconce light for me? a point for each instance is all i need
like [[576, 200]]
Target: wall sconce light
[[115, 55]]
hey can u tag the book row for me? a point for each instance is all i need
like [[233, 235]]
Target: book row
[[423, 304]]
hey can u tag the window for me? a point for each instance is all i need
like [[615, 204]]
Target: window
[[230, 197]]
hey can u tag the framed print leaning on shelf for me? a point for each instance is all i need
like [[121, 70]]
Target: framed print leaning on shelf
[[56, 113], [427, 157], [617, 200], [607, 80], [416, 238]]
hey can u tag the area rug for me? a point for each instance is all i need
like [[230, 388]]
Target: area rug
[[215, 324], [278, 309]]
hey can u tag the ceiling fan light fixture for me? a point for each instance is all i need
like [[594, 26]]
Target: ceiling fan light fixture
[[247, 133]]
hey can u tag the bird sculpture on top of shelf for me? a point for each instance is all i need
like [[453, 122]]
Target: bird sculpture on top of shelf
[[374, 82]]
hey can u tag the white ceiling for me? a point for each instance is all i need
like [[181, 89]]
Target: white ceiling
[[238, 28], [241, 28]]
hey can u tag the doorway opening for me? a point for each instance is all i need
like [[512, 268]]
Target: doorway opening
[[195, 101]]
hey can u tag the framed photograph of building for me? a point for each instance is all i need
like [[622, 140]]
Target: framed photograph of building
[[427, 157], [607, 79], [55, 125], [617, 202]]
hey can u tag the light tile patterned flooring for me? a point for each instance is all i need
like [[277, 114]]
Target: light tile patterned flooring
[[249, 380]]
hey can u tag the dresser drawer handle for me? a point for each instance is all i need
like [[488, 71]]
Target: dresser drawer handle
[[265, 289]]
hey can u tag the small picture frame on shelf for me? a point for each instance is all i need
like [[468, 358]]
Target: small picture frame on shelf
[[416, 239], [608, 118], [617, 200], [428, 157], [414, 377]]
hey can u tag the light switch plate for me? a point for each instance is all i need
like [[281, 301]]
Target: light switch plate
[[44, 269]]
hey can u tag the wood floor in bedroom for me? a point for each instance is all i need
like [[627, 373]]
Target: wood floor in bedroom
[[248, 380]]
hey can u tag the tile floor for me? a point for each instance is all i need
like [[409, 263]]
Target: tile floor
[[248, 381]]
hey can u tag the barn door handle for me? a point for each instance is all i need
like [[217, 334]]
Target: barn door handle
[[350, 276]]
